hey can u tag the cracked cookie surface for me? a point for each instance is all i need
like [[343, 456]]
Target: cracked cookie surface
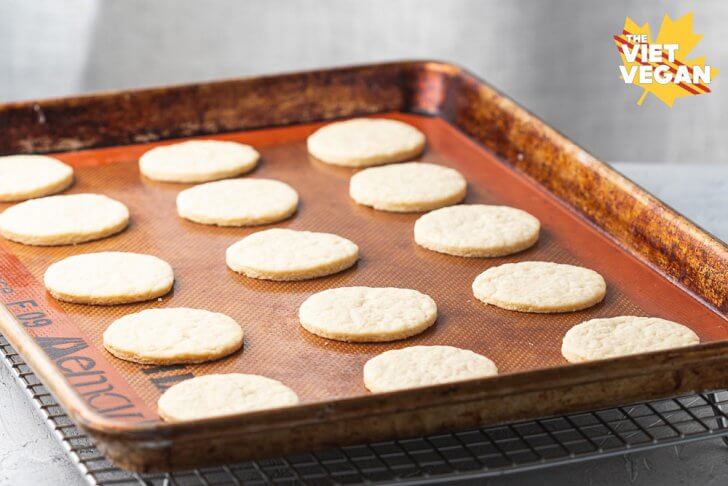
[[367, 314], [63, 220], [29, 176], [619, 336], [543, 287], [365, 142], [283, 254], [408, 187], [223, 394], [173, 336], [198, 161], [424, 365], [477, 230], [238, 202], [108, 278]]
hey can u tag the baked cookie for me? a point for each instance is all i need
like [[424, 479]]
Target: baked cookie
[[28, 176], [225, 394], [109, 277], [620, 336], [408, 187], [284, 254], [238, 202], [540, 287], [364, 142], [173, 335], [424, 365], [198, 161], [367, 314], [477, 230], [63, 220]]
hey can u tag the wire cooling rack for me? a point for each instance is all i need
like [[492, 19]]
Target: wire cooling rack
[[477, 453]]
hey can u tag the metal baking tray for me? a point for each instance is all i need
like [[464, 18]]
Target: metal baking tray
[[655, 263]]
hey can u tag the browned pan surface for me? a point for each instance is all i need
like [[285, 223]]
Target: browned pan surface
[[319, 369]]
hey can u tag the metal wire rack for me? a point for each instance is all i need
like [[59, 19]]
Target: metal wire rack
[[477, 453]]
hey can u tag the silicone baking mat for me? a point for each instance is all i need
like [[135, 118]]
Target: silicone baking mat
[[275, 344]]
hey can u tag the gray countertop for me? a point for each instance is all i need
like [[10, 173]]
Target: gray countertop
[[30, 455]]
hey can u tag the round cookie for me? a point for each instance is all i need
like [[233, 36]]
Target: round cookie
[[408, 187], [364, 142], [540, 287], [424, 365], [224, 394], [198, 161], [477, 230], [367, 314], [63, 220], [284, 254], [107, 278], [238, 202], [624, 335], [28, 176], [173, 335]]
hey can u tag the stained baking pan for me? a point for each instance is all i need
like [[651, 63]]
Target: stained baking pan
[[654, 261]]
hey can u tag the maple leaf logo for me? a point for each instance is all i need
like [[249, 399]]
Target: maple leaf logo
[[677, 34]]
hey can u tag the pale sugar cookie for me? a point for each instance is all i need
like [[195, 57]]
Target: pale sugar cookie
[[225, 394], [540, 287], [107, 278], [620, 336], [477, 230], [173, 335], [28, 176], [63, 220], [367, 314], [408, 187], [424, 365], [363, 142], [283, 254], [198, 161], [238, 202]]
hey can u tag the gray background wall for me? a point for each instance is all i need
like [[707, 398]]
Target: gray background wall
[[555, 57]]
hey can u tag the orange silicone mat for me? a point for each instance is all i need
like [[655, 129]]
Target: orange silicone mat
[[275, 344]]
